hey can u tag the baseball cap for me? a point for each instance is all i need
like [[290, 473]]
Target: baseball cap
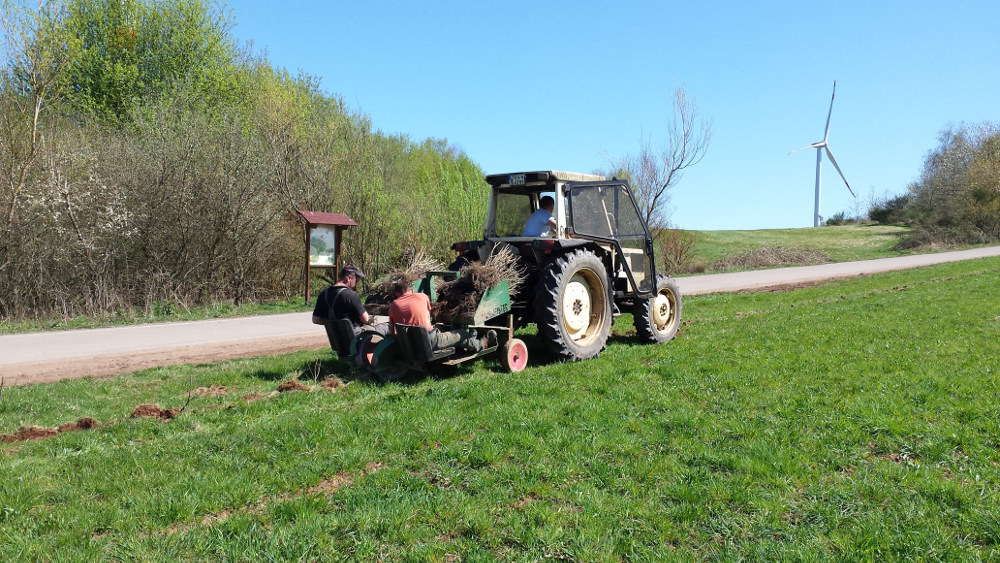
[[351, 269]]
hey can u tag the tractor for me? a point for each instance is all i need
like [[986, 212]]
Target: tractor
[[597, 263]]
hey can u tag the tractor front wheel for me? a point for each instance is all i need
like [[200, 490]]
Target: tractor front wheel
[[515, 355], [573, 309], [657, 318]]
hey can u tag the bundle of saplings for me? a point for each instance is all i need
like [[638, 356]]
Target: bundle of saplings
[[458, 299], [380, 294]]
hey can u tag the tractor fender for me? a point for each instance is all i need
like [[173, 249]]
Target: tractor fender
[[566, 246]]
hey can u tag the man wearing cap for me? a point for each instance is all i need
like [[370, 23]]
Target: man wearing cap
[[341, 301]]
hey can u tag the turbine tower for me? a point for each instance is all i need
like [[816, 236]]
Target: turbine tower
[[820, 147]]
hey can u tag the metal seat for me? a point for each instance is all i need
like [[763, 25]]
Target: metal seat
[[415, 345], [340, 332]]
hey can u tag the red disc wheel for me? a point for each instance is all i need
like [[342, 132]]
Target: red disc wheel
[[515, 355]]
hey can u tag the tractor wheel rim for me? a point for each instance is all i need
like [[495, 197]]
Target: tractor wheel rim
[[662, 311], [576, 307], [517, 356]]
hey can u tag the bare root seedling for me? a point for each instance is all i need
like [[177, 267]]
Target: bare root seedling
[[458, 299]]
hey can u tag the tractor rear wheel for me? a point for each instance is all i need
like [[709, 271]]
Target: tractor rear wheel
[[657, 318], [573, 309]]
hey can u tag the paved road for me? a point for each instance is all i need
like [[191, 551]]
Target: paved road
[[737, 281], [50, 356]]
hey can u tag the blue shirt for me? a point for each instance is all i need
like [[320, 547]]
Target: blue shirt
[[538, 224]]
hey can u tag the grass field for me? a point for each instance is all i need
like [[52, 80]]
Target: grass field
[[851, 420], [844, 243]]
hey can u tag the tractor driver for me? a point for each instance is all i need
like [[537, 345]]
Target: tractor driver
[[341, 301], [414, 308], [541, 222]]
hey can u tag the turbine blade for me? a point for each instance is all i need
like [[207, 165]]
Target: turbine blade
[[812, 146], [834, 162], [826, 132]]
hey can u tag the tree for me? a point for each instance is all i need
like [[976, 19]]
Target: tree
[[654, 171], [134, 51], [144, 160], [957, 198], [983, 184], [36, 49]]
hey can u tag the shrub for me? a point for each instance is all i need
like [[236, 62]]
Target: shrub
[[675, 249], [889, 211], [840, 218]]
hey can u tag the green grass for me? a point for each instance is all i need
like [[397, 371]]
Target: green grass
[[843, 243], [851, 420]]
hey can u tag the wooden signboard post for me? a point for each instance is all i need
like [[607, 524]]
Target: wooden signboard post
[[323, 236]]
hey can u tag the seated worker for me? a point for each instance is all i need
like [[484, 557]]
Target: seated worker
[[541, 222], [341, 301], [413, 308]]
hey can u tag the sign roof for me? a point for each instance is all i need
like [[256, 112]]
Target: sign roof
[[315, 218]]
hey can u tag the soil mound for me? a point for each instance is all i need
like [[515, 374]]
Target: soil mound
[[332, 382], [28, 433], [153, 411], [291, 385], [85, 423]]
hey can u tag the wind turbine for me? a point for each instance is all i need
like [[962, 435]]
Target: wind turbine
[[820, 147]]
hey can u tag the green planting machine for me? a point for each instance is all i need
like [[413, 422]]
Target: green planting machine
[[409, 349]]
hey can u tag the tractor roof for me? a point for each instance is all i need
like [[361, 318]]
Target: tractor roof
[[540, 177]]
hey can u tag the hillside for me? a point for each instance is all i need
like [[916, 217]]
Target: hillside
[[715, 251]]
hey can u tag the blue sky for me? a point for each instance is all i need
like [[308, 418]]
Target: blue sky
[[563, 85]]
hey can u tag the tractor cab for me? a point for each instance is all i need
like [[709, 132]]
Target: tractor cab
[[589, 210], [514, 197]]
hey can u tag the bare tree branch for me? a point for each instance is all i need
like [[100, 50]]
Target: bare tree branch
[[654, 171]]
